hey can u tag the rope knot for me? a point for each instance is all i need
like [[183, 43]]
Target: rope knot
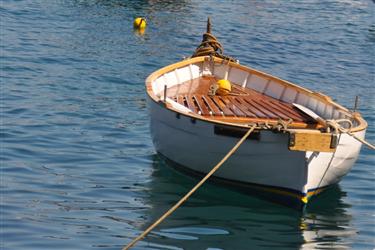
[[282, 125]]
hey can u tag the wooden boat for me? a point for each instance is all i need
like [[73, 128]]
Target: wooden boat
[[291, 153]]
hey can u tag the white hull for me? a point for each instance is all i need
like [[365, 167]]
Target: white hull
[[267, 162], [272, 161]]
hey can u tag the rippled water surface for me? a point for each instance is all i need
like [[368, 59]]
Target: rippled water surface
[[78, 168]]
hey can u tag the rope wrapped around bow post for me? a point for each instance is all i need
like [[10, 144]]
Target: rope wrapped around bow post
[[210, 46]]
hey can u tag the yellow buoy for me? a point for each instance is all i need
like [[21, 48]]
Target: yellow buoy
[[305, 199], [224, 87], [140, 23]]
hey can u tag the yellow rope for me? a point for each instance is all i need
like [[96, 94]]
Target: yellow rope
[[183, 199]]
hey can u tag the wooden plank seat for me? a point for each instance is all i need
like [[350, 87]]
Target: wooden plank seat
[[241, 103]]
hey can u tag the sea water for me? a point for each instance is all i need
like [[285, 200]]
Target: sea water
[[78, 168]]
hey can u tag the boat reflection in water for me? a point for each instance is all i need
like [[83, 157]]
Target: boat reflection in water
[[219, 218], [327, 223]]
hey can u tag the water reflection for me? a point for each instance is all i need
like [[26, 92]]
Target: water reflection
[[327, 222], [220, 218]]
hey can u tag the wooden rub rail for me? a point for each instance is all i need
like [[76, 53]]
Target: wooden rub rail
[[252, 106]]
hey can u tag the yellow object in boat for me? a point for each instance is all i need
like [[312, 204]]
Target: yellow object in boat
[[224, 87], [140, 23]]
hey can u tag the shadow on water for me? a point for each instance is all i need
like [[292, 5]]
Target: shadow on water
[[216, 217]]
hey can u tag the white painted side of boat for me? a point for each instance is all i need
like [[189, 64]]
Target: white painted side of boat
[[196, 146], [325, 169], [265, 162]]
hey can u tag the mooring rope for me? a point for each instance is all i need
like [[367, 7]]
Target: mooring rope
[[183, 199], [362, 140]]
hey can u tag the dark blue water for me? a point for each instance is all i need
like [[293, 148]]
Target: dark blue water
[[78, 168]]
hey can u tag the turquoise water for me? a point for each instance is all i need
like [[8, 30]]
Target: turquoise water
[[78, 168]]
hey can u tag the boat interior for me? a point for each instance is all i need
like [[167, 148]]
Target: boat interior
[[240, 104], [255, 96]]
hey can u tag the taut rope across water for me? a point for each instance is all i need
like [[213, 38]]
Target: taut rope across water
[[183, 199]]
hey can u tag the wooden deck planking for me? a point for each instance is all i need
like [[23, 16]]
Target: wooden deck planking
[[254, 109], [236, 110], [190, 103], [244, 103], [222, 106], [202, 106], [261, 108], [180, 100], [242, 106], [212, 106], [300, 116], [279, 111]]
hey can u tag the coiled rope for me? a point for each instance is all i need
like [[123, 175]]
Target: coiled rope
[[183, 199], [210, 46]]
